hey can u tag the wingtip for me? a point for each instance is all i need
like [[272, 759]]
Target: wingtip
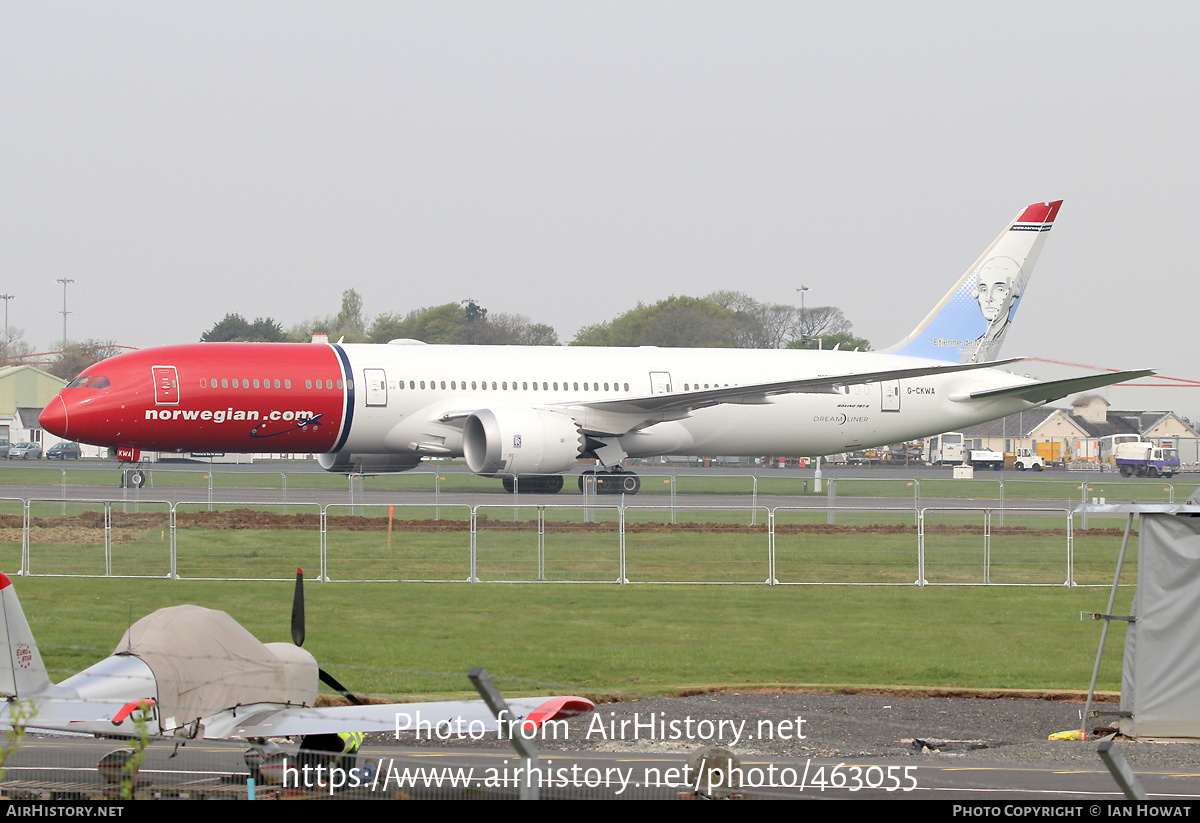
[[558, 707]]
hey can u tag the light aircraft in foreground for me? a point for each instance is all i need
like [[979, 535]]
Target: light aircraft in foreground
[[527, 414], [189, 673]]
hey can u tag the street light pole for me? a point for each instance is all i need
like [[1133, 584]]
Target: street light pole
[[6, 298], [64, 281], [802, 290]]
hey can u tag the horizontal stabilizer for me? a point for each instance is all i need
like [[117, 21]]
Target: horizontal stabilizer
[[1056, 389]]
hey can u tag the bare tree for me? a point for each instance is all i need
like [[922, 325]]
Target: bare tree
[[759, 325], [76, 357], [14, 347], [820, 321]]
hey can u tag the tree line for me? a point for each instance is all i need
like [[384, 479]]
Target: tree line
[[724, 319]]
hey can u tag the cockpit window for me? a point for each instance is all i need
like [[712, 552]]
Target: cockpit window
[[90, 381]]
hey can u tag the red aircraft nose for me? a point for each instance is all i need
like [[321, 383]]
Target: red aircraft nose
[[54, 417]]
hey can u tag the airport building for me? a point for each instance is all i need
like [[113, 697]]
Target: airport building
[[24, 392], [1082, 430]]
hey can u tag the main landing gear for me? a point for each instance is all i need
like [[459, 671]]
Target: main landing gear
[[615, 482], [534, 484]]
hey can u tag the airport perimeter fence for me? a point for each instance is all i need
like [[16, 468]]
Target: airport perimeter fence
[[765, 489], [596, 541]]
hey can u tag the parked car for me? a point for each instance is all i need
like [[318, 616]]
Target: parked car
[[63, 450], [25, 451]]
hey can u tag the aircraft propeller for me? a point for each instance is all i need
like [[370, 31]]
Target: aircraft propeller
[[298, 638]]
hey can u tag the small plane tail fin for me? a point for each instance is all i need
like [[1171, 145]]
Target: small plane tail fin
[[22, 673], [969, 323]]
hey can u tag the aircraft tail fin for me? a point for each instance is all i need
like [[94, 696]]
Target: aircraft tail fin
[[22, 673], [969, 323]]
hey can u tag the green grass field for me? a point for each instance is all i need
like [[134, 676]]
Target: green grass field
[[409, 638], [397, 639]]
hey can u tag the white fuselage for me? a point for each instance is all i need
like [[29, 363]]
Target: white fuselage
[[426, 386]]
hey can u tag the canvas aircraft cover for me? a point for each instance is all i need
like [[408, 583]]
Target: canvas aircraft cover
[[204, 662], [1160, 680]]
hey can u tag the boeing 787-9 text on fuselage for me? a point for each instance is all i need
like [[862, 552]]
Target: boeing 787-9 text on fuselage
[[532, 412]]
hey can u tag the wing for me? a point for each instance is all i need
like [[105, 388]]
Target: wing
[[615, 417], [759, 392], [454, 716], [114, 718]]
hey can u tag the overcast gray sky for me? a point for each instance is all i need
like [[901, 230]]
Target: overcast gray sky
[[566, 160]]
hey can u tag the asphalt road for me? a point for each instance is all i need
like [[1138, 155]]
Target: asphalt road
[[837, 746]]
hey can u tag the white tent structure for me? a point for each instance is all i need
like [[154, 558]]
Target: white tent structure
[[1160, 677]]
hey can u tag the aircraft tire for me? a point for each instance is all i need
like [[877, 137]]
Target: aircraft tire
[[137, 479], [536, 484], [112, 765], [630, 483]]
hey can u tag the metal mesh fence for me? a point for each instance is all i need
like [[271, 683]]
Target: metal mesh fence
[[1008, 529]]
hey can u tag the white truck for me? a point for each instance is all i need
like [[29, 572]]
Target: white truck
[[985, 458], [1142, 459]]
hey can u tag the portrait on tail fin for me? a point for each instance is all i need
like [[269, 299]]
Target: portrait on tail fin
[[998, 286], [969, 324]]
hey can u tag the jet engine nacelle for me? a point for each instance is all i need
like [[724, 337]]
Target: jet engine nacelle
[[347, 463], [520, 440]]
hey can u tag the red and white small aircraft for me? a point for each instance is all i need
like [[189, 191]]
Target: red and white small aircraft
[[192, 673], [533, 411]]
